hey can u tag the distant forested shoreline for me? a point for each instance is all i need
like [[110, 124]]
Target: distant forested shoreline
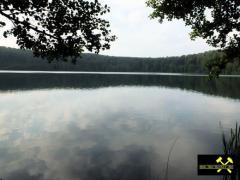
[[15, 59]]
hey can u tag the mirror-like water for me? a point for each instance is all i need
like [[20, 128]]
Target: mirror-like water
[[107, 127]]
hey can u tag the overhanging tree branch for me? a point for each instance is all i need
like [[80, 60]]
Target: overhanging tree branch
[[57, 32], [28, 25]]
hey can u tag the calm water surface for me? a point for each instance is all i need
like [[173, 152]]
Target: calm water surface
[[111, 127]]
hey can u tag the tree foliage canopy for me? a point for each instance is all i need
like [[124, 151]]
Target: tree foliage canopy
[[217, 21], [57, 29]]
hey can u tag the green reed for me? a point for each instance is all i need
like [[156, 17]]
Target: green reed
[[231, 146]]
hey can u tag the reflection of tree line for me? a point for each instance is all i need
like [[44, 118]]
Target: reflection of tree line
[[226, 87]]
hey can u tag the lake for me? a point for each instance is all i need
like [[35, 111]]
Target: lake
[[100, 126]]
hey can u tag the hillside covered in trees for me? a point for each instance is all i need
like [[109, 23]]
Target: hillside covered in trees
[[15, 59]]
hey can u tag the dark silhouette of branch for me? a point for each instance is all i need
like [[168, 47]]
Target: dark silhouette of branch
[[16, 21]]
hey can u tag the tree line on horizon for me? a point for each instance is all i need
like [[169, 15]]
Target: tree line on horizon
[[64, 29], [15, 59]]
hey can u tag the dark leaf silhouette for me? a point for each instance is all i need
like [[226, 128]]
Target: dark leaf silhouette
[[58, 29], [217, 21]]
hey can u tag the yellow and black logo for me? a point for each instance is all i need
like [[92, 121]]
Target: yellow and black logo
[[216, 165]]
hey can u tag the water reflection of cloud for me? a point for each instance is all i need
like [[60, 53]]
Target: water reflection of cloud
[[68, 134]]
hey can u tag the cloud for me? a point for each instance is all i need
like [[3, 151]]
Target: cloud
[[140, 36]]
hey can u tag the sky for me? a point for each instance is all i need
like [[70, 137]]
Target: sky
[[140, 36]]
